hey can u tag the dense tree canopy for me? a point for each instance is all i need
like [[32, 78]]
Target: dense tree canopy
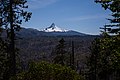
[[104, 60], [47, 71]]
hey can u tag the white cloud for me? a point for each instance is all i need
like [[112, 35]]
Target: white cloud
[[87, 17], [36, 4]]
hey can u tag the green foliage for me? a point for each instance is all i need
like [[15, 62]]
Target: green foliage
[[18, 7], [105, 52], [12, 12], [3, 60], [60, 53], [114, 7], [47, 71], [93, 59], [105, 57]]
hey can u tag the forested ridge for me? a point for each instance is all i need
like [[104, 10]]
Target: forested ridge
[[41, 48]]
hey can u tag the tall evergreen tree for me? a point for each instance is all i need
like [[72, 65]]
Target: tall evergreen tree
[[11, 15], [93, 59], [60, 53], [72, 57], [109, 52], [103, 61], [114, 7]]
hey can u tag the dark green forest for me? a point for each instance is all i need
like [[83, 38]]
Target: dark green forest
[[28, 57]]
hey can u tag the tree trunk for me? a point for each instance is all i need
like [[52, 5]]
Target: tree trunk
[[12, 43]]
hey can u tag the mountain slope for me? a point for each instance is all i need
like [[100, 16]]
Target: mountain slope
[[68, 33], [29, 32], [54, 28]]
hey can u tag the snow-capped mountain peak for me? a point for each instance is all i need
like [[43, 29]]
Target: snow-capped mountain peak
[[54, 28]]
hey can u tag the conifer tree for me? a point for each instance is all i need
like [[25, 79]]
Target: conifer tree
[[114, 7], [11, 15], [93, 60], [60, 53], [109, 52], [72, 57], [103, 62]]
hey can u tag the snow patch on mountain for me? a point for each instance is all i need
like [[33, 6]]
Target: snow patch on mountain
[[54, 28]]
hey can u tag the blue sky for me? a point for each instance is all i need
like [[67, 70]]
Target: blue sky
[[80, 15]]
